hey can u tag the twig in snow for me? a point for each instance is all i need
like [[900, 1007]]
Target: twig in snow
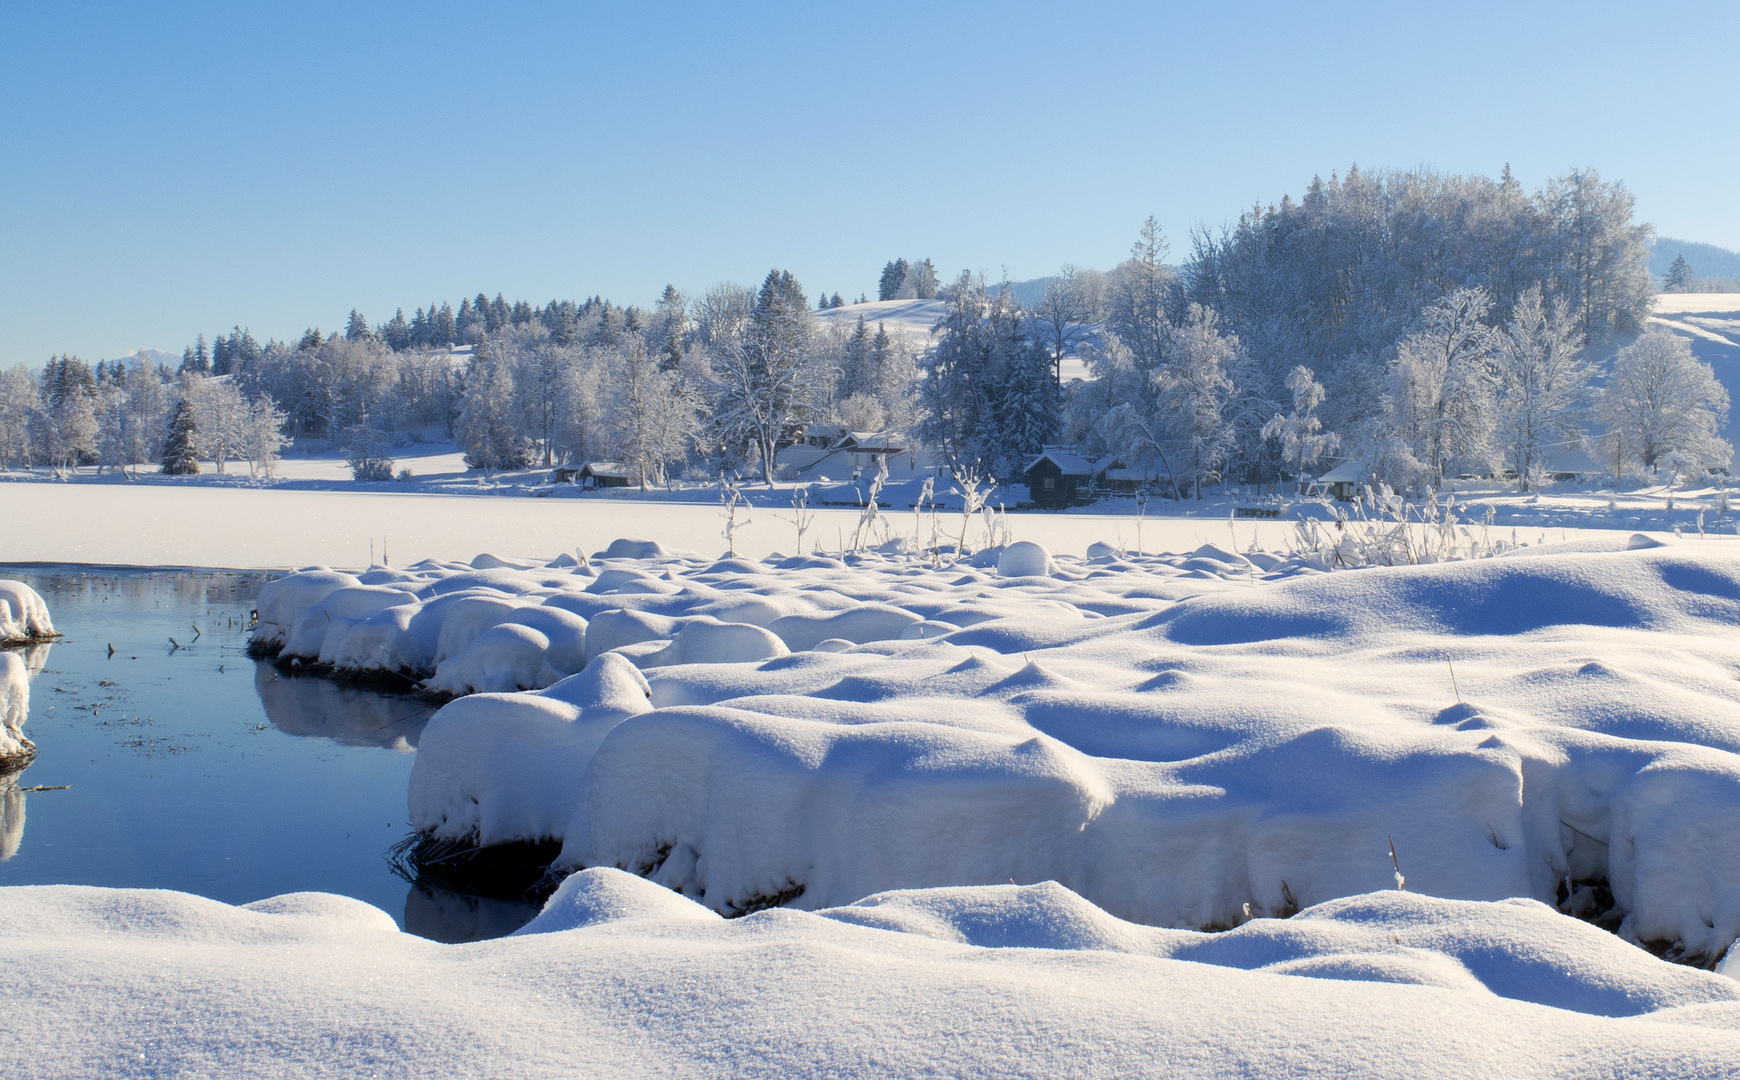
[[1401, 882], [1453, 685]]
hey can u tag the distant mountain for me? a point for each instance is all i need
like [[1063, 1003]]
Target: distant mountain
[[1706, 260], [155, 356]]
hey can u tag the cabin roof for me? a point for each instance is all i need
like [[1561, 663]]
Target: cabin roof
[[607, 468], [1071, 464], [1348, 472]]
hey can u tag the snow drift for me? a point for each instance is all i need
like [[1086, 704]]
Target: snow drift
[[1013, 981], [1184, 741]]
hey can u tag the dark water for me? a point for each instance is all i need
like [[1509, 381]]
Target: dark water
[[195, 768]]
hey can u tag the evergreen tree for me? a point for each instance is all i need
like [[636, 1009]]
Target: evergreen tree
[[397, 332], [180, 453], [892, 276], [201, 358], [1680, 276], [356, 328]]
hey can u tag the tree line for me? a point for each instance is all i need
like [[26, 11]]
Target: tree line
[[1424, 324]]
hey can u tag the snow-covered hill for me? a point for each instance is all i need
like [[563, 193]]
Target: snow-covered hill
[[1711, 322]]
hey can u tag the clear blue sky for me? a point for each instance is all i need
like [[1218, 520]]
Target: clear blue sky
[[171, 169]]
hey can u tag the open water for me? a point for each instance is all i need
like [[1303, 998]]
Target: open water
[[193, 767]]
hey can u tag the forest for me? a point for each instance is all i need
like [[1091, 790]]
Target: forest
[[1426, 324]]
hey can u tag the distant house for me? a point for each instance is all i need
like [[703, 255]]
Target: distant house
[[605, 474], [851, 452], [1057, 477], [1342, 482], [563, 476]]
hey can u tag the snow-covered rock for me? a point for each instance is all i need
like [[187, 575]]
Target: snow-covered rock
[[23, 614], [14, 704]]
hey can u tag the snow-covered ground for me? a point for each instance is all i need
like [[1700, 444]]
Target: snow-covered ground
[[1183, 740], [622, 978]]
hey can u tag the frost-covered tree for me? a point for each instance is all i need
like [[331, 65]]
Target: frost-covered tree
[[486, 426], [263, 437], [1442, 386], [1138, 303], [18, 405], [1679, 276], [766, 381], [1063, 315], [68, 417], [1663, 407], [1192, 388], [180, 445], [1543, 385], [1300, 433], [652, 415], [220, 416]]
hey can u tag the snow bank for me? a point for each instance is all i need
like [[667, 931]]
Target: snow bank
[[630, 979], [1184, 740], [23, 615]]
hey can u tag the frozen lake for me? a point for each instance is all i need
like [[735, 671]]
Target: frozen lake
[[195, 768]]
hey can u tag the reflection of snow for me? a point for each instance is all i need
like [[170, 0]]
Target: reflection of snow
[[316, 708], [11, 816]]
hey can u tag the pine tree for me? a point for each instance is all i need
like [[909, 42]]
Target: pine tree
[[201, 358], [180, 456], [356, 328], [892, 276], [1680, 276]]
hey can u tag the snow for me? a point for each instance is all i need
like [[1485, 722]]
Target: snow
[[1183, 740], [914, 318], [14, 704], [23, 615], [620, 977]]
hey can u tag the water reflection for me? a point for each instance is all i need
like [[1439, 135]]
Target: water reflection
[[317, 708], [11, 815], [193, 767], [447, 916]]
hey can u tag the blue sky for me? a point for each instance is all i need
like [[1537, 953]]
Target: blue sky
[[171, 169]]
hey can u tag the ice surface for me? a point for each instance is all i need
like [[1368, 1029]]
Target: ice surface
[[620, 977]]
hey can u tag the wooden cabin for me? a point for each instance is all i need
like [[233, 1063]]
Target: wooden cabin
[[1058, 478], [1341, 483], [605, 474]]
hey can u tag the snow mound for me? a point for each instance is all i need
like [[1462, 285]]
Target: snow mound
[[1005, 981], [23, 614], [1183, 740], [1024, 559], [14, 704]]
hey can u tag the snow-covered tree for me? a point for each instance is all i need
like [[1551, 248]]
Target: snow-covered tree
[[1441, 384], [1070, 304], [1663, 407], [1679, 276], [486, 427], [1193, 387], [766, 379], [18, 404], [893, 275], [263, 437], [1300, 433], [1543, 385], [180, 445], [653, 415], [68, 417], [220, 416]]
